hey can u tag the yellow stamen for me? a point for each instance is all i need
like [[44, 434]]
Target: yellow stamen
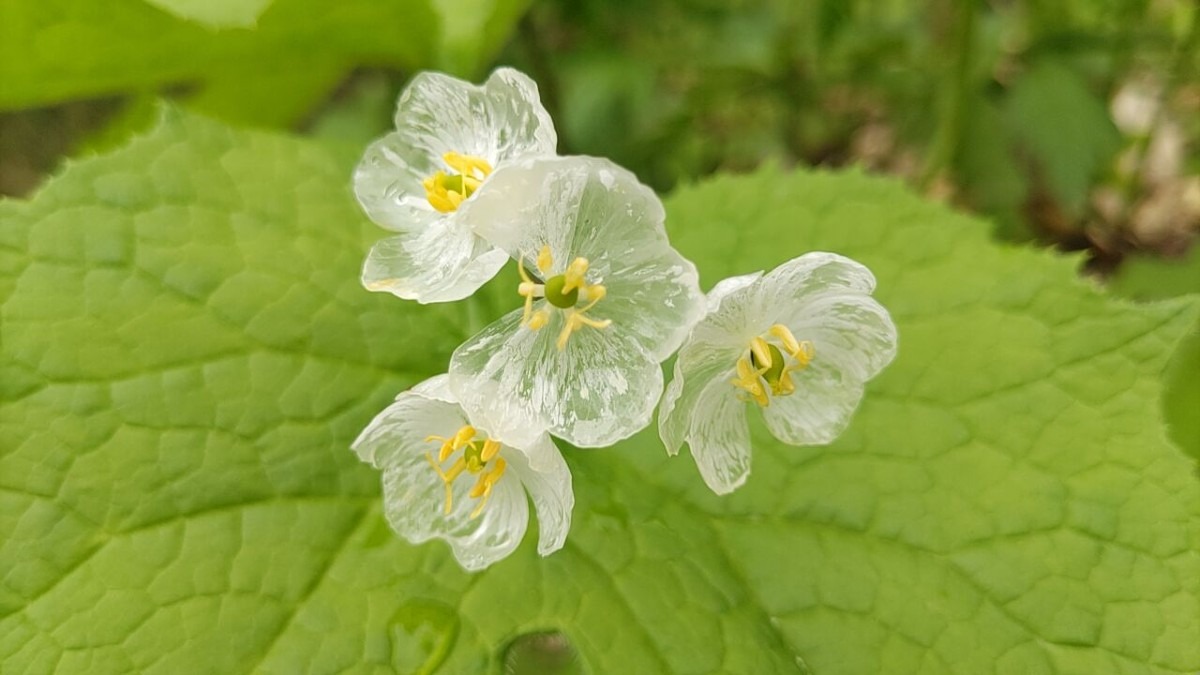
[[445, 191], [461, 439], [474, 460], [545, 260], [748, 380], [539, 319], [574, 276], [490, 449], [575, 321], [762, 352], [483, 487], [778, 377], [565, 290]]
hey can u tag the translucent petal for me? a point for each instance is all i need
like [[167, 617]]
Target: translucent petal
[[734, 315], [591, 208], [441, 264], [413, 502], [600, 388], [701, 408], [501, 121], [852, 333], [397, 435], [388, 185], [819, 410], [729, 286], [529, 205], [436, 387], [549, 485], [786, 290], [414, 494]]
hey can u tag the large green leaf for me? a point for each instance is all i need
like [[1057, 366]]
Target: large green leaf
[[187, 355]]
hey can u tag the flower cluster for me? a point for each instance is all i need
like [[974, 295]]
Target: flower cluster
[[470, 179]]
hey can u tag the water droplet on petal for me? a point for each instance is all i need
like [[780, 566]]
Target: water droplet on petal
[[421, 634], [545, 653]]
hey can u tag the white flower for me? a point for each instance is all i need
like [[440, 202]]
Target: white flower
[[606, 301], [800, 343], [444, 477], [450, 136]]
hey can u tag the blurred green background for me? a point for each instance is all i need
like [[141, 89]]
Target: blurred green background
[[1069, 123]]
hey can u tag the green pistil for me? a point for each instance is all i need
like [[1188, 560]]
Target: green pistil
[[775, 370], [555, 295]]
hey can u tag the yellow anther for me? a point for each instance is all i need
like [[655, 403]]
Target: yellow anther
[[483, 487], [762, 353], [461, 439], [539, 319], [805, 353], [574, 276], [545, 260], [748, 380], [445, 191], [468, 165], [448, 478], [594, 293], [474, 460]]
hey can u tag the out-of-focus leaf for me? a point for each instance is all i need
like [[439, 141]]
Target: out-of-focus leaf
[[473, 30], [216, 13], [987, 168], [1064, 129], [273, 74]]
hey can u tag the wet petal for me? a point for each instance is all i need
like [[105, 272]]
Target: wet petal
[[388, 185], [731, 286], [500, 121], [599, 389], [397, 435], [786, 290], [734, 315], [702, 409], [529, 205], [441, 264], [591, 208], [819, 410], [413, 503], [549, 485], [414, 494], [853, 334]]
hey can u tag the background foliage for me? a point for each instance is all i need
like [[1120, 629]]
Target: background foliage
[[185, 353]]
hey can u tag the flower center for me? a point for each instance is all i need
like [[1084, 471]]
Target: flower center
[[564, 291], [446, 191], [766, 366], [477, 458]]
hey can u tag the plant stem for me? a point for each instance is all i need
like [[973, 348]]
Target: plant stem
[[953, 119]]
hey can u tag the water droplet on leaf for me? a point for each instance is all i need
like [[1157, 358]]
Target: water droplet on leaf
[[545, 653], [421, 634]]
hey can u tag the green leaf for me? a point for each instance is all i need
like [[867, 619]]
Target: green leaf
[[216, 13], [473, 30], [274, 74], [1065, 130], [58, 50], [187, 355], [1155, 279]]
